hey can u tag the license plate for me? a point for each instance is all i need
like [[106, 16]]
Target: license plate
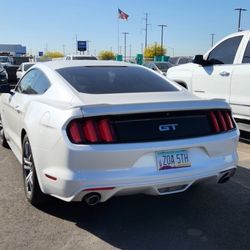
[[173, 159]]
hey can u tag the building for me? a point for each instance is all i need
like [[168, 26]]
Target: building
[[13, 49]]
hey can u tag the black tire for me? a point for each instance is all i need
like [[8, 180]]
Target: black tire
[[32, 189], [3, 140]]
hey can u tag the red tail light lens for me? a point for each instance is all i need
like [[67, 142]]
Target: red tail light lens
[[98, 130], [106, 131], [74, 133], [228, 120], [214, 122], [89, 131], [221, 121]]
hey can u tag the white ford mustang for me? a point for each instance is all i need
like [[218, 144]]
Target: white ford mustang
[[89, 130]]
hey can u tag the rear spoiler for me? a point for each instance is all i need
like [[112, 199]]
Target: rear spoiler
[[111, 109]]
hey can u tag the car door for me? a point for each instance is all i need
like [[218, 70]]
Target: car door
[[214, 80], [15, 106], [240, 85]]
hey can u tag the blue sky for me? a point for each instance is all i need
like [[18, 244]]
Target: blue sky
[[40, 24]]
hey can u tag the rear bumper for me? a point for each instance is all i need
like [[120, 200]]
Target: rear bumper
[[131, 168], [151, 185]]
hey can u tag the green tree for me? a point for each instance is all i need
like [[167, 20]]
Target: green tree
[[53, 54], [106, 55], [154, 50]]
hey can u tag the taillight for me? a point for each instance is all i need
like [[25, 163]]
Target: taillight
[[89, 131], [106, 130], [221, 120], [92, 130], [74, 132]]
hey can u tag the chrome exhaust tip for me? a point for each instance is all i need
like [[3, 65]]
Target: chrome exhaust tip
[[92, 198], [226, 175]]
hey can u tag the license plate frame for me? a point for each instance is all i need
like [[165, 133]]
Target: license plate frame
[[172, 159]]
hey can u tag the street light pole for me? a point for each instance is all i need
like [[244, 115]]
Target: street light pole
[[162, 26], [125, 43], [146, 30], [240, 10], [212, 36]]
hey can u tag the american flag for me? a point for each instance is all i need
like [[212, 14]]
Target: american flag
[[122, 15]]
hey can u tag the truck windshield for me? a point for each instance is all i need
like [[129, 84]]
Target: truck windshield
[[4, 59]]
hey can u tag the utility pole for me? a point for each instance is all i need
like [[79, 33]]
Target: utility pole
[[212, 37], [240, 10], [162, 26], [125, 43], [146, 30]]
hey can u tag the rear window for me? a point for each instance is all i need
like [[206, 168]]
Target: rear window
[[84, 58], [114, 79]]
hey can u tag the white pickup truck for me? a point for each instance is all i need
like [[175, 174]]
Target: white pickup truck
[[223, 72]]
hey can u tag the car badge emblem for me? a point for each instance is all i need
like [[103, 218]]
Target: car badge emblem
[[168, 127]]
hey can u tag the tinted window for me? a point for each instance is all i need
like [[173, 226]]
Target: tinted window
[[27, 66], [225, 52], [108, 80], [41, 84], [183, 60], [163, 66], [173, 60], [84, 58], [34, 82], [246, 58], [4, 59], [25, 86]]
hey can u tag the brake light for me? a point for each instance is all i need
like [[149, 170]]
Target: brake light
[[221, 120], [92, 130], [228, 120], [106, 131], [74, 132], [89, 131], [214, 122]]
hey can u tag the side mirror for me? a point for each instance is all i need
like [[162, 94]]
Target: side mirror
[[4, 88], [198, 59]]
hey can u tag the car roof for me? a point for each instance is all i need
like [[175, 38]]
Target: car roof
[[75, 63]]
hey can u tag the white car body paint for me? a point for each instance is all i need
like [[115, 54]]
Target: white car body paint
[[127, 167]]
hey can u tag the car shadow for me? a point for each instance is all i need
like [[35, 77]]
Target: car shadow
[[208, 216], [245, 137]]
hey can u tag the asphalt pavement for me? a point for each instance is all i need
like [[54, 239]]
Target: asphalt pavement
[[207, 216]]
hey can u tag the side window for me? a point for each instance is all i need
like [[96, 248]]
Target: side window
[[183, 60], [246, 57], [33, 83], [25, 86], [41, 84], [224, 53]]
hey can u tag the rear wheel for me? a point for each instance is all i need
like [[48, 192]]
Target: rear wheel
[[3, 140], [32, 189]]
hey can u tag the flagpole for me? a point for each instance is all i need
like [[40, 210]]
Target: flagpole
[[118, 35]]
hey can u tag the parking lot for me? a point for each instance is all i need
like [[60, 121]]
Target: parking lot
[[207, 216]]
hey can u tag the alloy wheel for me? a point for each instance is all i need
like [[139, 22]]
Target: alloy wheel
[[28, 169]]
